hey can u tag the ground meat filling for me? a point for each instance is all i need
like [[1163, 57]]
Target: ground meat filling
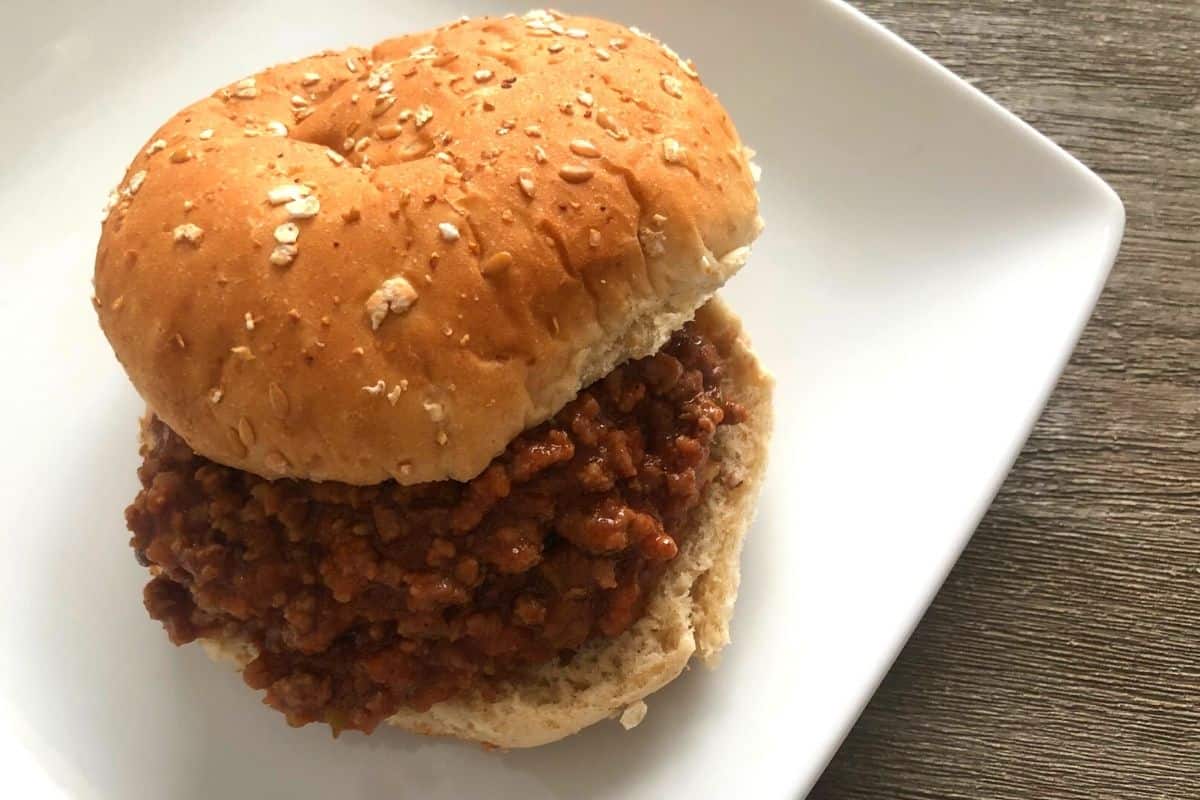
[[363, 600]]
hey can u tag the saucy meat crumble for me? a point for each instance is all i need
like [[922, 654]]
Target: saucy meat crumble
[[361, 600]]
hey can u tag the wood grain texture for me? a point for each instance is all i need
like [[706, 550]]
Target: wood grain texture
[[1062, 657]]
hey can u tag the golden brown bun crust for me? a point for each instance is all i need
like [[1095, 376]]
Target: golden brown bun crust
[[688, 614], [637, 204]]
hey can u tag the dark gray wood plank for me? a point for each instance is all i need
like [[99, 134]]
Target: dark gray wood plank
[[1062, 657]]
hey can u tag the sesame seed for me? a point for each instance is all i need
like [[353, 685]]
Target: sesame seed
[[444, 157], [423, 114], [246, 93], [497, 262], [277, 398], [377, 389], [283, 255], [352, 64], [155, 146], [188, 205], [610, 125], [584, 148], [286, 193], [449, 231], [424, 52], [215, 394], [309, 78], [533, 131], [206, 134], [181, 155], [246, 432], [109, 204], [539, 154], [653, 242], [679, 61], [379, 75], [275, 461], [287, 233], [386, 87], [394, 395], [442, 438], [362, 144], [556, 47], [242, 352], [187, 232], [755, 171], [586, 99], [672, 86], [277, 128], [388, 132], [673, 152], [249, 321], [483, 75], [135, 182], [554, 27], [616, 44], [603, 54], [434, 410], [633, 715], [297, 100], [394, 295], [303, 207], [577, 33], [235, 442], [525, 181], [736, 258], [247, 83], [593, 237], [334, 156], [575, 173]]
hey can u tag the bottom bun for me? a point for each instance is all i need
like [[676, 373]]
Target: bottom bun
[[688, 614]]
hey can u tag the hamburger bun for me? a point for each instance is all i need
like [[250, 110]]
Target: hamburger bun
[[387, 263]]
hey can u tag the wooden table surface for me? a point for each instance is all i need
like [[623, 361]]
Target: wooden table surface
[[1061, 659]]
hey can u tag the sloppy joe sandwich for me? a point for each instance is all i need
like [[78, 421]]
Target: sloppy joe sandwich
[[445, 424]]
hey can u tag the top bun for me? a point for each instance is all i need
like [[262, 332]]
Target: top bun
[[386, 264]]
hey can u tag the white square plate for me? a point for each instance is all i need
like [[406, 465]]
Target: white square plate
[[928, 264]]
